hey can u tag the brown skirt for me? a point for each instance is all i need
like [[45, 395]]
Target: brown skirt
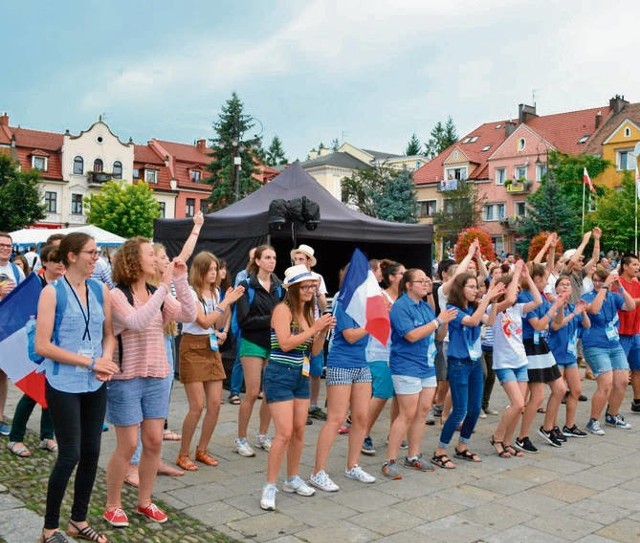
[[198, 363]]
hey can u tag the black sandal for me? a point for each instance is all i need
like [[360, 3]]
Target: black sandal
[[55, 537], [441, 461], [87, 533], [504, 453], [513, 451], [467, 455]]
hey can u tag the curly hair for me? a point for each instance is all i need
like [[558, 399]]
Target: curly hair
[[126, 262], [199, 270]]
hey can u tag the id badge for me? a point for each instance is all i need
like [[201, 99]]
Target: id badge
[[475, 350], [572, 346], [612, 332], [88, 352], [213, 343], [306, 366], [536, 338], [431, 353]]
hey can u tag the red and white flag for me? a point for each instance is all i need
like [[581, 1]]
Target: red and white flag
[[587, 180]]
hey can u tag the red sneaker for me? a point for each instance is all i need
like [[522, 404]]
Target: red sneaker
[[116, 517], [153, 512]]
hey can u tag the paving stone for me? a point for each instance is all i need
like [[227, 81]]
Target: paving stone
[[504, 484], [523, 534], [532, 474], [592, 538], [306, 509], [215, 513], [201, 493], [432, 508], [496, 516], [567, 492], [604, 513], [365, 499], [625, 531], [386, 521], [454, 528], [337, 532], [267, 526], [469, 495], [562, 524], [620, 497]]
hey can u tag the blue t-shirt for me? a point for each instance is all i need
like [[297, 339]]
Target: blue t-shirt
[[343, 354], [563, 342], [604, 322], [464, 341], [413, 359], [528, 332]]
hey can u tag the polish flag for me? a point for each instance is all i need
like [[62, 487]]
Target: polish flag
[[362, 297], [15, 311], [587, 180]]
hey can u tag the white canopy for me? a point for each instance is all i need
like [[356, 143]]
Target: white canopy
[[37, 236]]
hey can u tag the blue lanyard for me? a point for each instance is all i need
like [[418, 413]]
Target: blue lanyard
[[87, 317]]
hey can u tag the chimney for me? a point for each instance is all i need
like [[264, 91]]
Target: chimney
[[509, 128], [201, 146], [4, 119], [617, 103], [526, 112], [598, 119]]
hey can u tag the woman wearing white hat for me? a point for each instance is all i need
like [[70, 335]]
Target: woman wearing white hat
[[295, 337]]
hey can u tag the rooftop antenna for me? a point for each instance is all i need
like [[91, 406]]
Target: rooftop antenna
[[533, 96]]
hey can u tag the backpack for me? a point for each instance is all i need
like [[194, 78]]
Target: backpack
[[251, 294], [16, 272]]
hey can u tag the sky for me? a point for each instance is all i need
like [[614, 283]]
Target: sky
[[370, 73]]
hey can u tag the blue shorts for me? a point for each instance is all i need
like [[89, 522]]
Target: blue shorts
[[282, 383], [131, 401], [382, 384], [508, 375], [631, 346], [603, 360], [316, 365], [347, 376], [406, 384]]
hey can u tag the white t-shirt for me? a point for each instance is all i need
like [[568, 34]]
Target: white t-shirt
[[322, 287], [7, 270], [508, 349], [208, 307], [33, 259]]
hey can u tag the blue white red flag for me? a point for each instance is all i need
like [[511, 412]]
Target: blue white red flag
[[362, 298], [15, 311]]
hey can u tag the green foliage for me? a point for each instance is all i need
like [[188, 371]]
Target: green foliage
[[538, 242], [335, 144], [462, 209], [275, 155], [414, 146], [124, 209], [442, 136], [465, 239], [398, 202], [19, 196], [231, 128]]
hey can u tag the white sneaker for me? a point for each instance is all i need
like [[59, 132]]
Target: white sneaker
[[482, 415], [268, 500], [243, 448], [322, 481], [296, 484], [357, 473], [263, 441]]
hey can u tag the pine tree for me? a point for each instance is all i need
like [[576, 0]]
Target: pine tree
[[414, 146], [335, 144], [232, 129], [442, 136], [398, 202], [275, 153]]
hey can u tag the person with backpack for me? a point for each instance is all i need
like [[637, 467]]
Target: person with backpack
[[263, 291], [139, 394], [74, 335]]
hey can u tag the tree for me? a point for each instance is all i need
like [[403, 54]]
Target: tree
[[19, 195], [462, 208], [231, 127], [124, 209], [275, 153], [362, 190], [442, 136], [398, 202], [335, 145], [414, 146], [616, 216]]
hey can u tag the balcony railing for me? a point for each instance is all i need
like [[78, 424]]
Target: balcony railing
[[511, 223], [447, 185], [517, 187], [97, 178]]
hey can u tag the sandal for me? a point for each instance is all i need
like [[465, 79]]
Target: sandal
[[88, 533], [49, 445], [19, 449], [234, 399], [541, 410], [442, 461], [467, 455], [185, 463], [205, 458], [504, 453], [166, 469], [55, 537], [170, 435], [513, 451]]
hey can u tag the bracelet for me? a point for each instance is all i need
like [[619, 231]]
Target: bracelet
[[435, 321], [93, 364], [440, 323], [218, 309], [605, 287], [196, 234]]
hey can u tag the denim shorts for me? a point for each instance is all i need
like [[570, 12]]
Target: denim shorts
[[382, 384], [406, 384], [131, 401], [603, 360], [348, 376], [508, 375], [631, 346], [282, 383], [316, 365]]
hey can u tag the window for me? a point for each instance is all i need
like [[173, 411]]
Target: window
[[466, 140], [78, 165], [522, 143], [624, 160], [501, 175], [191, 207], [163, 209], [521, 209], [541, 170], [492, 212], [151, 176], [456, 173], [485, 148], [51, 202], [136, 173], [204, 206], [498, 243], [98, 165], [76, 204], [196, 176], [427, 208], [627, 132], [473, 139], [584, 139], [520, 172], [117, 170], [39, 163]]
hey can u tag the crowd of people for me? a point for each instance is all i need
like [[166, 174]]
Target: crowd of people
[[110, 355]]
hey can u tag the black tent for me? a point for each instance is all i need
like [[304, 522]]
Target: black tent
[[231, 232]]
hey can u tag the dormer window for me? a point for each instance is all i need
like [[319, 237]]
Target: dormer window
[[584, 138], [196, 176], [39, 163], [151, 176], [473, 139], [98, 165], [486, 148]]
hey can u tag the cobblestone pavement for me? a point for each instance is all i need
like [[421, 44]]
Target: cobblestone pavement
[[587, 491]]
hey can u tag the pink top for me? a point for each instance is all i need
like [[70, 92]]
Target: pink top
[[142, 328]]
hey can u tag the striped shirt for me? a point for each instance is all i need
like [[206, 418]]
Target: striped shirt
[[295, 356]]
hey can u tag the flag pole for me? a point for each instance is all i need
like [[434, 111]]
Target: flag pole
[[635, 182], [583, 194]]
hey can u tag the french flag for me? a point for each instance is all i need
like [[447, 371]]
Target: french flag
[[15, 311], [360, 294]]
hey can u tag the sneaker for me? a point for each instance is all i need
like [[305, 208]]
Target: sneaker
[[417, 462], [153, 512], [390, 470], [437, 410], [5, 429], [404, 445], [268, 500], [431, 419], [358, 474], [617, 421], [322, 481], [574, 431], [367, 447], [317, 413], [549, 437], [558, 434], [309, 421], [116, 517], [582, 398], [491, 412], [263, 441], [525, 445], [297, 485], [593, 426], [243, 448], [635, 406], [482, 415]]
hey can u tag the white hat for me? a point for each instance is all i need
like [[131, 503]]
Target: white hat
[[307, 251], [296, 274], [569, 253]]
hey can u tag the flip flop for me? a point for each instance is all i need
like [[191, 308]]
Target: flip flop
[[234, 399], [170, 435], [19, 449]]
